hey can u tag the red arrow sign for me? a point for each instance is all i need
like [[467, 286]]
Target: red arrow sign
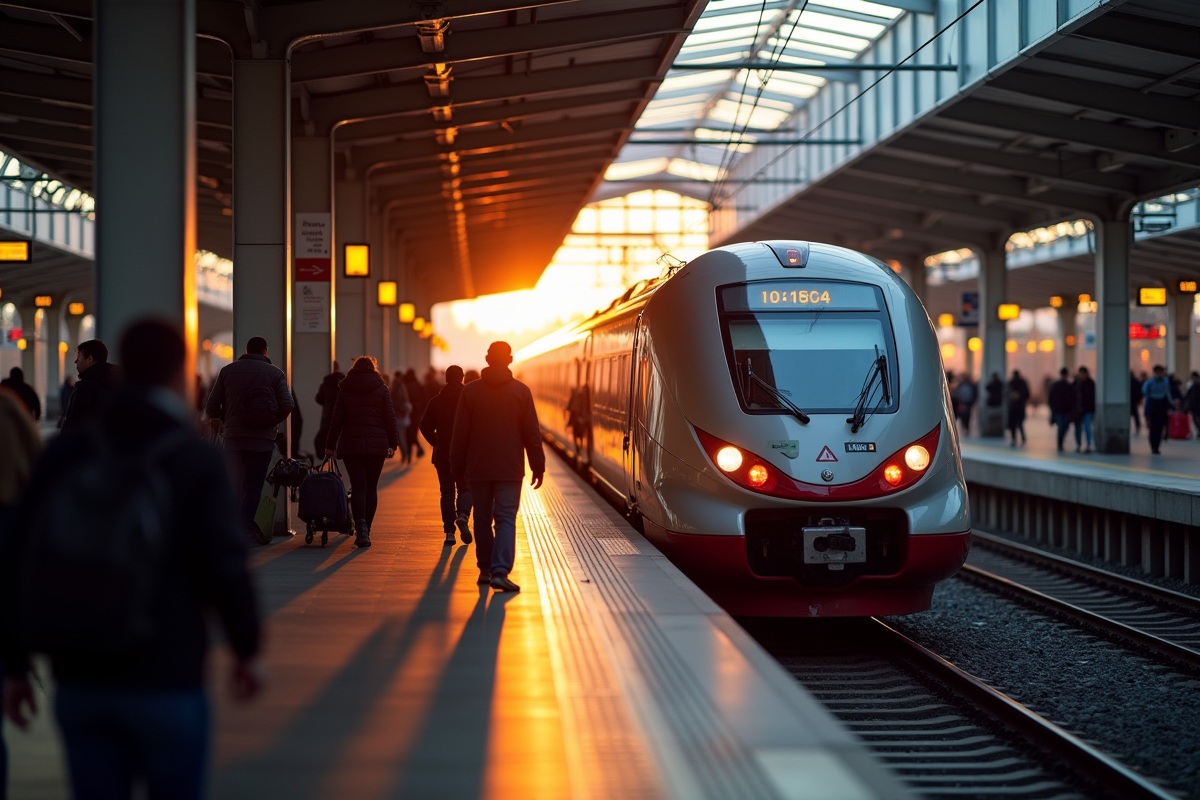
[[312, 269]]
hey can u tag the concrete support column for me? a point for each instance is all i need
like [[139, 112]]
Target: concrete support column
[[1113, 240], [312, 351], [993, 289], [261, 242], [1179, 334], [50, 333], [1066, 331], [29, 332], [144, 96], [350, 227]]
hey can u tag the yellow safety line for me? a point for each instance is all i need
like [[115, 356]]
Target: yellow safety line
[[1063, 459]]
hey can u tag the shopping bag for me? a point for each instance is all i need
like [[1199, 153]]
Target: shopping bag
[[264, 519], [1179, 425]]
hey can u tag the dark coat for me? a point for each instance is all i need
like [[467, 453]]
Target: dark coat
[[29, 398], [995, 394], [204, 563], [326, 396], [1085, 396], [437, 426], [364, 421], [92, 393], [1062, 397], [226, 402], [416, 398], [495, 427]]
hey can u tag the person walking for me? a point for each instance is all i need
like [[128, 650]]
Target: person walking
[[363, 434], [249, 398], [437, 426], [127, 637], [1085, 409], [15, 383], [964, 397], [1018, 396], [326, 397], [1135, 400], [1191, 400], [403, 408], [495, 428], [1062, 402], [97, 381], [417, 398], [1157, 391]]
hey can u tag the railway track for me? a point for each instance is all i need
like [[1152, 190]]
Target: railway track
[[1136, 613], [947, 734]]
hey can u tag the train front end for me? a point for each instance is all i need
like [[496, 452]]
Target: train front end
[[797, 454]]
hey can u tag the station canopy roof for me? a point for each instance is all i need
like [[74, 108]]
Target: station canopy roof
[[708, 110], [482, 126]]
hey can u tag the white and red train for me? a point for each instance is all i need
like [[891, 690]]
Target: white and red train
[[775, 416]]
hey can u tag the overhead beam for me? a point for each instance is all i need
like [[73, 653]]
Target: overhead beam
[[869, 190], [1099, 135], [387, 55], [485, 169], [27, 110], [1156, 109], [1146, 34]]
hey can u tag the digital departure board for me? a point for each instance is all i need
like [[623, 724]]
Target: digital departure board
[[800, 295]]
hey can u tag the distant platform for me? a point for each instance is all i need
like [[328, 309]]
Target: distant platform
[[609, 676]]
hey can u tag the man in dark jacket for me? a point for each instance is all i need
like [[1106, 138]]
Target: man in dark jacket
[[495, 427], [97, 381], [240, 387], [1085, 409], [326, 396], [139, 713], [29, 398], [1062, 404], [437, 426]]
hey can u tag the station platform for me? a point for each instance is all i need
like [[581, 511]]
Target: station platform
[[608, 676], [1164, 487]]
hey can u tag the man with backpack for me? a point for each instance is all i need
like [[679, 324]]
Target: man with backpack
[[249, 399], [129, 538]]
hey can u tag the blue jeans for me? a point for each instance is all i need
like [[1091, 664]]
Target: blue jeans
[[1063, 421], [248, 469], [1084, 425], [499, 501], [113, 736], [453, 508]]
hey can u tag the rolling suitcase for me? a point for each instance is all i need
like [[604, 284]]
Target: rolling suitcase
[[323, 504], [1179, 426]]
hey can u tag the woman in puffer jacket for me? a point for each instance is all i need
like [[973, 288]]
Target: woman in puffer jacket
[[363, 433]]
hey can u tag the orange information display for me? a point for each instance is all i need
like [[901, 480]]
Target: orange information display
[[1152, 296], [15, 251]]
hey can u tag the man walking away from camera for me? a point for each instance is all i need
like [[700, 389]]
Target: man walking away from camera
[[495, 428], [129, 540], [1062, 404], [248, 401], [437, 426]]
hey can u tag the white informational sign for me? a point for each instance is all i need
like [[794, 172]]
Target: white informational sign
[[313, 273], [310, 307]]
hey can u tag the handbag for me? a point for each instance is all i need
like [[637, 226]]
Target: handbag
[[264, 519]]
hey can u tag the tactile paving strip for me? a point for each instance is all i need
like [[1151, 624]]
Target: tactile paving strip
[[721, 767]]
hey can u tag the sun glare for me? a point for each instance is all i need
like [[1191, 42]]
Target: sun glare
[[613, 244]]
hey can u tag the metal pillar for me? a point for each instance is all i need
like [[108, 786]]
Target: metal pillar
[[350, 227], [51, 403], [261, 244], [993, 288], [1066, 330], [1179, 334], [377, 316], [144, 96], [1113, 240], [312, 351]]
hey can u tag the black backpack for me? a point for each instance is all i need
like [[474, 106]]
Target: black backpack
[[259, 409], [91, 577]]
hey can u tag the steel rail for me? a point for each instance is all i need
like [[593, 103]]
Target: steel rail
[[1183, 601], [1129, 634], [1089, 761]]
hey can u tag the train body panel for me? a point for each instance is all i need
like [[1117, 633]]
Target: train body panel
[[823, 378]]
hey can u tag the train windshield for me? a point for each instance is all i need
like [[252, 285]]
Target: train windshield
[[817, 343]]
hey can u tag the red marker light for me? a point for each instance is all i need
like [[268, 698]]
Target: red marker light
[[892, 474], [757, 475], [793, 257]]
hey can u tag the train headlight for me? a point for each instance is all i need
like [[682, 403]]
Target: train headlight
[[893, 474], [729, 459], [757, 475], [917, 457]]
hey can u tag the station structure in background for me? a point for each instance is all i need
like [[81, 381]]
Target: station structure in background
[[448, 147]]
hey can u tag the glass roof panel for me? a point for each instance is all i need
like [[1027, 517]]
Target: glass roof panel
[[861, 7]]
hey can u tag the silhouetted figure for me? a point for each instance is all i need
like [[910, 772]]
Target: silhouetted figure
[[1062, 403], [470, 375], [495, 428], [97, 381], [15, 383], [64, 398], [363, 434], [1191, 400], [417, 398], [1085, 409], [964, 396], [249, 399], [1018, 396], [122, 614], [995, 391], [437, 426], [1157, 391], [326, 397], [403, 408], [1135, 400]]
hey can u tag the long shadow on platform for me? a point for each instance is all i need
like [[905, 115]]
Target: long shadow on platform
[[280, 582], [305, 754]]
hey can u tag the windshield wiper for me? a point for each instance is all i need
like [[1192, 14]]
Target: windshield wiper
[[878, 370], [778, 396]]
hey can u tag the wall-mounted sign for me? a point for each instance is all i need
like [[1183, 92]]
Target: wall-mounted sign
[[357, 260], [968, 313], [75, 309], [1152, 296], [18, 251], [1188, 287], [43, 301], [1008, 311], [313, 272]]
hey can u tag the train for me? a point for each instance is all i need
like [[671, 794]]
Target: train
[[774, 417]]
